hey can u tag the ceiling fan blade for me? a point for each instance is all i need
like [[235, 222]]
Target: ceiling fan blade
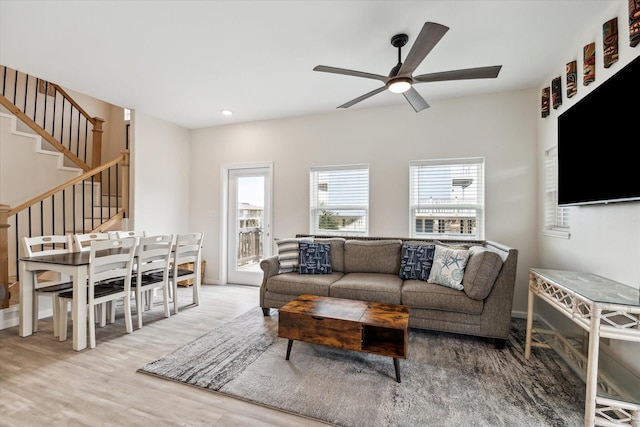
[[344, 71], [416, 100], [429, 36], [363, 97], [469, 73]]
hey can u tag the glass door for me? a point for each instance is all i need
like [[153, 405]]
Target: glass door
[[248, 225]]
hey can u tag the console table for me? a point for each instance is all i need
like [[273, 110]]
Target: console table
[[604, 309]]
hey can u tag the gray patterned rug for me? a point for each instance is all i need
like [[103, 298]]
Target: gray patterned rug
[[447, 379]]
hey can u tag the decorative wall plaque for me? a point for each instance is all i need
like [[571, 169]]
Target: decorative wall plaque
[[589, 64], [572, 78], [610, 42], [634, 22], [545, 101], [556, 92]]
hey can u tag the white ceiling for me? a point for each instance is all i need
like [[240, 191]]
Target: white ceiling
[[184, 61]]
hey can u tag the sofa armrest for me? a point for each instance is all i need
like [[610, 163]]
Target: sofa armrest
[[270, 266], [496, 314]]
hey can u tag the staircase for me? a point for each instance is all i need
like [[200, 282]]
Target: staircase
[[46, 167], [46, 141]]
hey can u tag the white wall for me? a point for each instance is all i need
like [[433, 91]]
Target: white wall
[[499, 127], [605, 239], [159, 176]]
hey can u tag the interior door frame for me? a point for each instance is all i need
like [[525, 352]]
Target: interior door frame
[[224, 217]]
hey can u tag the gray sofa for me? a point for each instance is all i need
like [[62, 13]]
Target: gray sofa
[[368, 269]]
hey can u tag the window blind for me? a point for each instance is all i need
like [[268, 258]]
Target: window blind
[[339, 200], [447, 198], [556, 218]]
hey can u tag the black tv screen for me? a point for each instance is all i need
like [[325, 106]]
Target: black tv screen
[[598, 139]]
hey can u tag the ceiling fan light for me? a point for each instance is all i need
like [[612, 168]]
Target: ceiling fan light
[[400, 85]]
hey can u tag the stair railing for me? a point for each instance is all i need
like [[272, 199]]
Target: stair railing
[[83, 204], [51, 112]]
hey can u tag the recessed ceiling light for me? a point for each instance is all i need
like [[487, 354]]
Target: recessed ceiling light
[[226, 112]]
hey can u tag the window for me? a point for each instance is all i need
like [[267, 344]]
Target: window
[[556, 218], [447, 198], [339, 200]]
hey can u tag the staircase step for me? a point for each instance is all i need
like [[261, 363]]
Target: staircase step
[[114, 200], [105, 212]]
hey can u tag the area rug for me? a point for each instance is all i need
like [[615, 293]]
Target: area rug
[[447, 379]]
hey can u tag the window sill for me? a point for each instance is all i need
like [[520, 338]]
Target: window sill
[[561, 234]]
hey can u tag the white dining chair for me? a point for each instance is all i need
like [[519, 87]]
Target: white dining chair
[[187, 249], [153, 262], [122, 234], [52, 283], [110, 268], [82, 241]]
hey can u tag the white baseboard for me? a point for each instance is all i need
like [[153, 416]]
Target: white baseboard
[[10, 317]]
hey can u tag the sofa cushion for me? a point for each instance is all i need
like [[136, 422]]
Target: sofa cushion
[[448, 267], [372, 256], [454, 245], [296, 284], [337, 251], [416, 261], [315, 258], [418, 294], [375, 287], [481, 272], [289, 253]]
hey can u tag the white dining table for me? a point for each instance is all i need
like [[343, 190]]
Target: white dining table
[[73, 264]]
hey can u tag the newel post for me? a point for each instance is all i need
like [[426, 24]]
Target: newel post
[[97, 142], [4, 254]]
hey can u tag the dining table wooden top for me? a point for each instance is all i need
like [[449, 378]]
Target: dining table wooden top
[[69, 258]]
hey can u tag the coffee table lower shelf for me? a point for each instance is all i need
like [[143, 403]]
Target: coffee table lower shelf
[[349, 324]]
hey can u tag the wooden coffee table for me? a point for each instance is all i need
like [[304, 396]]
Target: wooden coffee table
[[343, 323]]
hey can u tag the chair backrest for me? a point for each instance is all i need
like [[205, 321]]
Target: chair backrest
[[153, 253], [83, 241], [133, 233], [188, 248], [111, 259], [47, 245]]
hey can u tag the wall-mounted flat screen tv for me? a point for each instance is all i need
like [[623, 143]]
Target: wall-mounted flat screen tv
[[598, 141]]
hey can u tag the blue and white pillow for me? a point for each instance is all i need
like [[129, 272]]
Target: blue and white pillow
[[289, 253], [448, 267], [315, 258], [416, 261]]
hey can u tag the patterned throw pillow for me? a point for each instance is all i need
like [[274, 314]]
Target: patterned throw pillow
[[448, 267], [315, 258], [288, 253], [416, 261]]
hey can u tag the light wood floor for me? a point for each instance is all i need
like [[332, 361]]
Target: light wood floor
[[45, 382]]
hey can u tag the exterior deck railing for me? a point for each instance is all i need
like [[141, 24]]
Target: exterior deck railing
[[250, 245]]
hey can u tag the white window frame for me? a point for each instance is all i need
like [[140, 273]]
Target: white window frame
[[319, 202], [556, 218], [447, 174]]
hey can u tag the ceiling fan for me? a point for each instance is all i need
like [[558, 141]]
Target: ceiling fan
[[401, 80]]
